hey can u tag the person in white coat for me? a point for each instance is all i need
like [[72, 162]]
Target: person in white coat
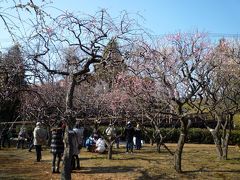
[[100, 146], [39, 139]]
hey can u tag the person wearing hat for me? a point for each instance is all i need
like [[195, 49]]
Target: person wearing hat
[[129, 133], [39, 139]]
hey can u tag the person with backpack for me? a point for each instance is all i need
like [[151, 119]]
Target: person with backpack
[[39, 139]]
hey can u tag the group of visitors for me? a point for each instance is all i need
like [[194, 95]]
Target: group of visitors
[[133, 136], [8, 134], [57, 145], [95, 143]]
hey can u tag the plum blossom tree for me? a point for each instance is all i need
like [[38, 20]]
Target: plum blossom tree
[[220, 97], [87, 35], [178, 67]]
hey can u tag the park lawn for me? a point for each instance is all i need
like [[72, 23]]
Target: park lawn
[[199, 162]]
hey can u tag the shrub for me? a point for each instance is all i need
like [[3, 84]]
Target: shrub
[[196, 135]]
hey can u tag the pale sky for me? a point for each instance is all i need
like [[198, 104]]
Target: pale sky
[[217, 17], [169, 16]]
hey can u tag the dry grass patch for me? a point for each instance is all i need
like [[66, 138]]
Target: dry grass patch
[[199, 162]]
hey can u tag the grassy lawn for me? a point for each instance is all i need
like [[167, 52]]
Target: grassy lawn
[[199, 162]]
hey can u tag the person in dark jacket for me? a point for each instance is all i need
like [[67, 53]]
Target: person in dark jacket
[[6, 136], [138, 136], [129, 133], [57, 147]]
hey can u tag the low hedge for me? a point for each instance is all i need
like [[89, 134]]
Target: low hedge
[[195, 135]]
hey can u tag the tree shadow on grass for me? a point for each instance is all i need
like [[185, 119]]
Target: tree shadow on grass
[[108, 169], [146, 175], [212, 171], [235, 159]]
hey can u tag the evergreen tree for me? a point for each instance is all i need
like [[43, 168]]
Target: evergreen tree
[[113, 63], [11, 82]]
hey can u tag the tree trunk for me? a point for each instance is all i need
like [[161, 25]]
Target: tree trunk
[[226, 135], [217, 142], [151, 141], [70, 121], [225, 146], [158, 147], [110, 147], [181, 141], [159, 143], [67, 156]]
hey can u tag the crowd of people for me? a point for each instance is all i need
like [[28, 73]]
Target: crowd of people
[[133, 137], [96, 142]]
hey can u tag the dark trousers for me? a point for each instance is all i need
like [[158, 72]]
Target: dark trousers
[[55, 156], [138, 143], [5, 139], [129, 145], [30, 147], [20, 143], [38, 152], [75, 160]]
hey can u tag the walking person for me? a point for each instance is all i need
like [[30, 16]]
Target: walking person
[[129, 133], [57, 147], [39, 139]]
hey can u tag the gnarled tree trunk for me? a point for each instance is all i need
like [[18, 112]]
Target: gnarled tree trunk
[[226, 135], [217, 141], [185, 124], [67, 156], [216, 138], [70, 121], [110, 147]]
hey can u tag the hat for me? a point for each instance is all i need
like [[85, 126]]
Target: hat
[[38, 124], [129, 122]]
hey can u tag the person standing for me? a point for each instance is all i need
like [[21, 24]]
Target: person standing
[[138, 136], [7, 135], [77, 141], [30, 141], [4, 136], [22, 135], [57, 147], [39, 139], [129, 133]]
